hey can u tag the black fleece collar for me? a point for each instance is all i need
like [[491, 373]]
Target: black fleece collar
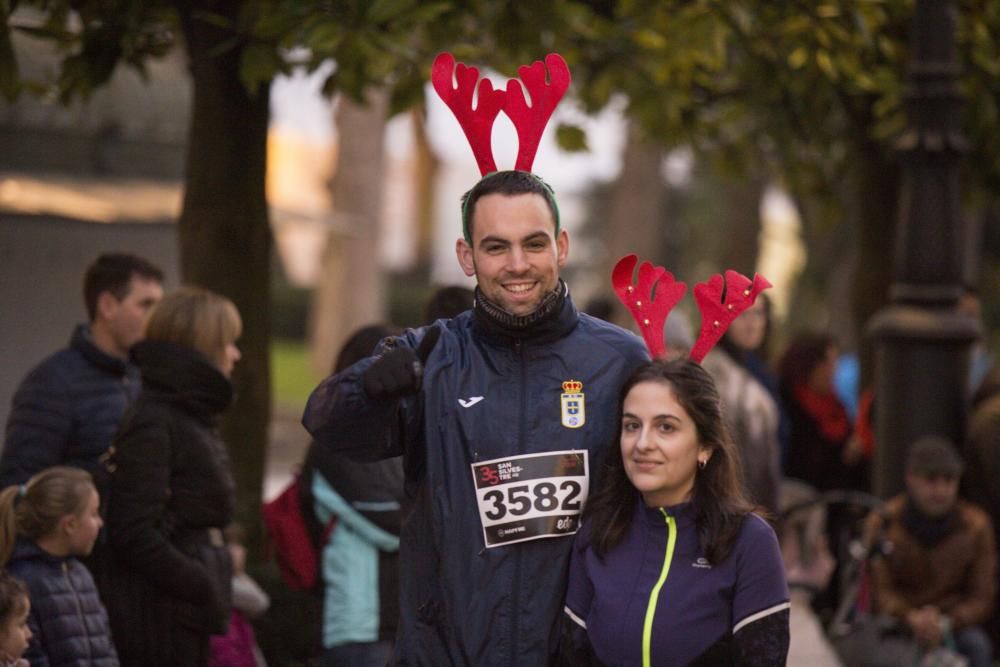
[[926, 529], [83, 342], [184, 376], [554, 318]]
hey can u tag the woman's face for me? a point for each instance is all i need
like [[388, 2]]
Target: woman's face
[[821, 376], [230, 355], [747, 331], [659, 443], [15, 634]]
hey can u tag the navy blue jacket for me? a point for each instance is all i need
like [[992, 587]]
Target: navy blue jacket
[[485, 395], [731, 613], [66, 412], [68, 621]]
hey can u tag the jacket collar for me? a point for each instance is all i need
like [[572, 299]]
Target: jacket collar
[[183, 376], [929, 530], [683, 513], [553, 319], [26, 549], [83, 342]]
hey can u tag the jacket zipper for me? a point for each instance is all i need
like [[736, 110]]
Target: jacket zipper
[[647, 627], [79, 607], [521, 430]]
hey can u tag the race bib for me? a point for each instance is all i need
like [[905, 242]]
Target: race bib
[[532, 496]]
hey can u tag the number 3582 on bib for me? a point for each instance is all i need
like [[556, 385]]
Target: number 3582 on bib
[[531, 497]]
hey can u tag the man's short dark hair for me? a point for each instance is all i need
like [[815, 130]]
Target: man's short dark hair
[[507, 183], [447, 302], [112, 272], [362, 344]]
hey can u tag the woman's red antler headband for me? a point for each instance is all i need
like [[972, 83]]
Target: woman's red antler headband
[[650, 312], [456, 84]]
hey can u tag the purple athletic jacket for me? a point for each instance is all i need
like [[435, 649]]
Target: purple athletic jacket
[[655, 599]]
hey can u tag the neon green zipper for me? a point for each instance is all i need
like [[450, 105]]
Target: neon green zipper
[[647, 628]]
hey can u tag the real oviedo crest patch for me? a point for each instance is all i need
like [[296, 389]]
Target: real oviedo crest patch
[[574, 410]]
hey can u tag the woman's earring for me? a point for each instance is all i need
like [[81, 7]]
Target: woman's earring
[[702, 463]]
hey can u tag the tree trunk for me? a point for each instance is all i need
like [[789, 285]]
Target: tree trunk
[[351, 293], [637, 201], [635, 222], [742, 224], [224, 235], [425, 173]]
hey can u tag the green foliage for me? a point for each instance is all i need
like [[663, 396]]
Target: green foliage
[[9, 83], [373, 43], [292, 378], [95, 36], [794, 87], [571, 137], [790, 86]]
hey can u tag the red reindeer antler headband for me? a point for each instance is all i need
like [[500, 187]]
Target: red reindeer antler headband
[[477, 123], [650, 312]]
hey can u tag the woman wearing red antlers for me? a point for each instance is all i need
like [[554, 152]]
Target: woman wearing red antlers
[[671, 566]]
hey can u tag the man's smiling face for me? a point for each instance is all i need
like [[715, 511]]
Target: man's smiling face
[[515, 253]]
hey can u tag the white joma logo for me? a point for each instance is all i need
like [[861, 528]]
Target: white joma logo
[[469, 402]]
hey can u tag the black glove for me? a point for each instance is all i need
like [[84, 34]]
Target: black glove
[[398, 372]]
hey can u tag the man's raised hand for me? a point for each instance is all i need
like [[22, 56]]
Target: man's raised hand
[[399, 372]]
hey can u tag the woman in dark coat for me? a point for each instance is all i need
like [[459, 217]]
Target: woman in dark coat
[[821, 452], [172, 490]]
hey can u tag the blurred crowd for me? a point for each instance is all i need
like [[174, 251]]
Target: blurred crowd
[[119, 544]]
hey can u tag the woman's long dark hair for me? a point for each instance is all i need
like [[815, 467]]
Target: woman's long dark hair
[[806, 351], [718, 497]]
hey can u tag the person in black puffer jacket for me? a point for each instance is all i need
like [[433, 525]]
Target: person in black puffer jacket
[[66, 411], [172, 490], [44, 525]]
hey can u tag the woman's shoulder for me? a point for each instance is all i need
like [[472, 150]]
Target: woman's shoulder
[[756, 525], [150, 406], [581, 541], [756, 532], [153, 409]]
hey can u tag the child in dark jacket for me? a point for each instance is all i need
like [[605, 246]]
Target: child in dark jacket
[[44, 525], [14, 631]]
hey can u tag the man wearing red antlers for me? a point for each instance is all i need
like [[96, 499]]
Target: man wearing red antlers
[[503, 414]]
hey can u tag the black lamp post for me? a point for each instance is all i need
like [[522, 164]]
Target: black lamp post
[[922, 343]]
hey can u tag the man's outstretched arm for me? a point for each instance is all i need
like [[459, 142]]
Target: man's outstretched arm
[[371, 409]]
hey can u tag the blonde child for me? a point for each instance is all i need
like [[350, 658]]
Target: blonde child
[[14, 631], [44, 525]]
